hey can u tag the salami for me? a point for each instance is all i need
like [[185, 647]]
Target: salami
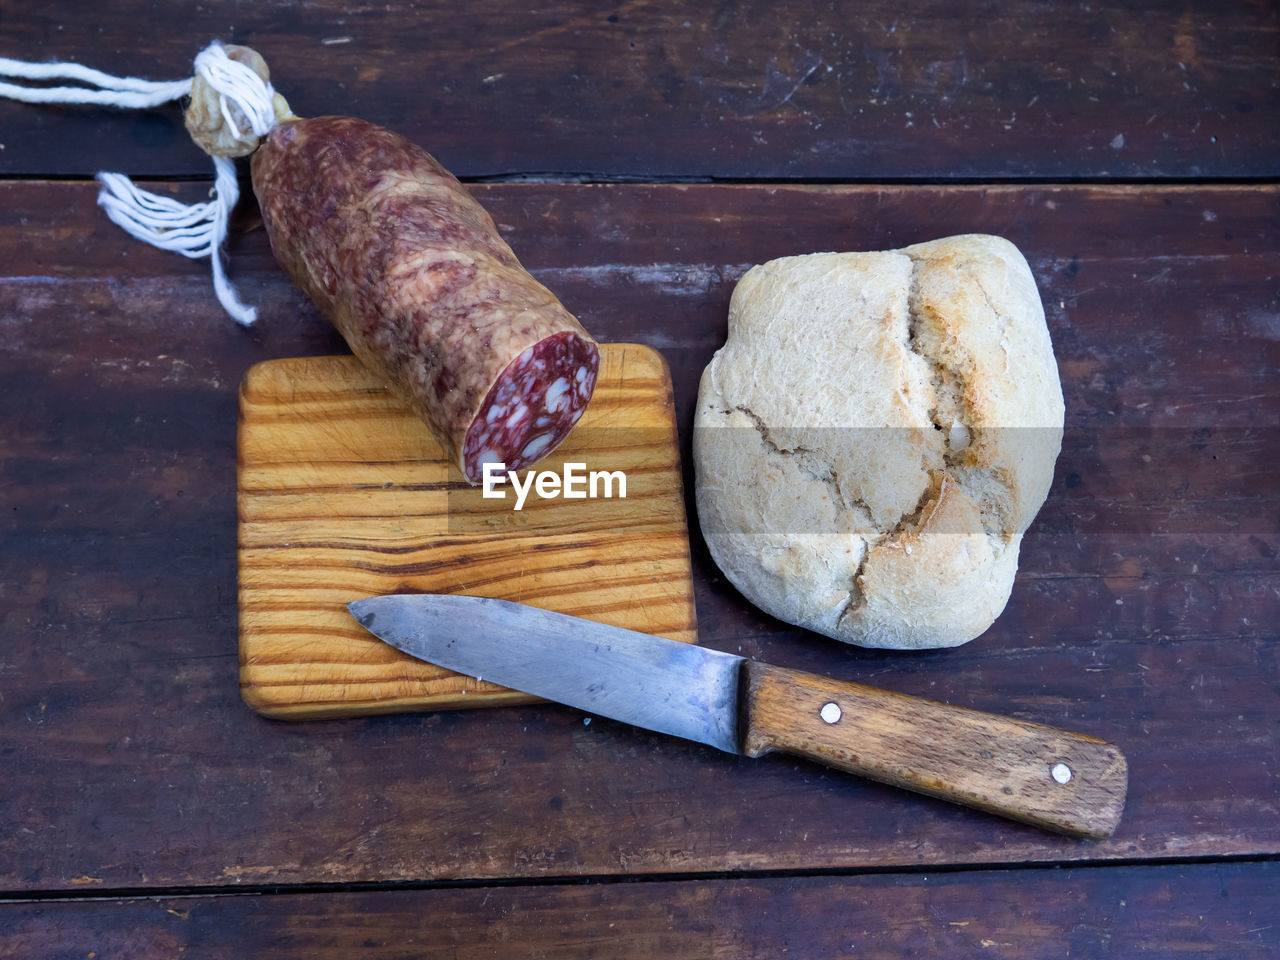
[[411, 270]]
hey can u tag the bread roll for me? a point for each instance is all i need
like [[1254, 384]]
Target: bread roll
[[875, 436]]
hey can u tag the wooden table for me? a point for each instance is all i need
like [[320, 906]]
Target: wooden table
[[639, 157]]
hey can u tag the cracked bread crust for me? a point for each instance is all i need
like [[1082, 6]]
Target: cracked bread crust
[[875, 436]]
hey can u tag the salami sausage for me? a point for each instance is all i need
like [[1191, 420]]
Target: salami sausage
[[412, 271]]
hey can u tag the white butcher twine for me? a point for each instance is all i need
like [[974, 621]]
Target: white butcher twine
[[193, 230]]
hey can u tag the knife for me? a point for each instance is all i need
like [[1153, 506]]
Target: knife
[[1065, 782]]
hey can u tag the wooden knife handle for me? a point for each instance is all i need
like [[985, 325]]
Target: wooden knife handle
[[1062, 781]]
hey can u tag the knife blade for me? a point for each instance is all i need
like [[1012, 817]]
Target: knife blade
[[1052, 778]]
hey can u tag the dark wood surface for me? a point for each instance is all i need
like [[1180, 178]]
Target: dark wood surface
[[758, 89], [147, 809], [1212, 909]]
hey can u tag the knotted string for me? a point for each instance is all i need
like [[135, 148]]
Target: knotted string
[[193, 230]]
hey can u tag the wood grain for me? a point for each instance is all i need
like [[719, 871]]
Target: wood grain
[[143, 800], [1114, 913], [998, 764], [344, 494], [762, 89], [1144, 611]]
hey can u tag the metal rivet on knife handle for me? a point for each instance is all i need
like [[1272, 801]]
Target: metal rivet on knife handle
[[967, 756]]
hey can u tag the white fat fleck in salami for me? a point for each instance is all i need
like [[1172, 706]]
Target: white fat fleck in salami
[[536, 447], [556, 394]]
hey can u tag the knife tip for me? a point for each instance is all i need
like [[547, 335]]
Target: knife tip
[[364, 616]]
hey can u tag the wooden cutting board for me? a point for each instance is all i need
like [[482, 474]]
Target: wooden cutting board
[[344, 493]]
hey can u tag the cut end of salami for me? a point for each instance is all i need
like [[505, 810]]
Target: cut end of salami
[[532, 405]]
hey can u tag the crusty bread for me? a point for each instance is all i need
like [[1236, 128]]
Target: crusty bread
[[876, 435]]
